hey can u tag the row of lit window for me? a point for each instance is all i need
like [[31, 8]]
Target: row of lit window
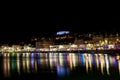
[[63, 37]]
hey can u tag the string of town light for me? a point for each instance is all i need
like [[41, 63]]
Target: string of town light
[[97, 42]]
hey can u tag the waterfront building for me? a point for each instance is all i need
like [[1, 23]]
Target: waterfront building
[[63, 38], [82, 41], [44, 43]]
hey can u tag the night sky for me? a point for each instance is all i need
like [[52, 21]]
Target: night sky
[[21, 25]]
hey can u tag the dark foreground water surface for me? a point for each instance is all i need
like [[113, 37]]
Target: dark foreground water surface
[[59, 66]]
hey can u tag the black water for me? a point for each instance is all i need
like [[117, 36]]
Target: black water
[[60, 66]]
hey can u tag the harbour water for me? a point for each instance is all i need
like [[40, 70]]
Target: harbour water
[[60, 66]]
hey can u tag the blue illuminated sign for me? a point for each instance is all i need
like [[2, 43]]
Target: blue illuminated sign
[[62, 32]]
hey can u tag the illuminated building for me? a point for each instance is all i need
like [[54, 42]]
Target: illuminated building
[[44, 43], [64, 37]]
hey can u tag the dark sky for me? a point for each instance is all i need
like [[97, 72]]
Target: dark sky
[[22, 24]]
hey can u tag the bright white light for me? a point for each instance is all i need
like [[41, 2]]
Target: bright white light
[[73, 45], [61, 46], [62, 32]]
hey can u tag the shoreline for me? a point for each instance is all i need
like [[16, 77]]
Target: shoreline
[[76, 51]]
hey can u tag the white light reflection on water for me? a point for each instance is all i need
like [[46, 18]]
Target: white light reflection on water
[[97, 61], [90, 61], [86, 62], [74, 60], [102, 63], [61, 59], [24, 65], [51, 60], [62, 63], [28, 65], [8, 63], [18, 66], [107, 64]]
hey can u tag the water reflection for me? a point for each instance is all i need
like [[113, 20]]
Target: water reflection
[[61, 63]]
